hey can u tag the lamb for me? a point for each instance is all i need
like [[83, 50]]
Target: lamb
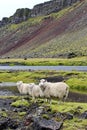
[[35, 91], [58, 89], [23, 88]]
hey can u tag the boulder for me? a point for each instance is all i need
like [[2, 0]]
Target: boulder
[[44, 124], [84, 115]]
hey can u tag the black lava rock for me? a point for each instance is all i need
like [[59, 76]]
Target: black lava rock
[[84, 115], [43, 124]]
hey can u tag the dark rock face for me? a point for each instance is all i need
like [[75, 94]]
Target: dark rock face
[[50, 7], [20, 15], [44, 124], [55, 79], [38, 10], [46, 8], [4, 21]]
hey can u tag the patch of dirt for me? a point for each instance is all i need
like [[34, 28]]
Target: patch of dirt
[[77, 97]]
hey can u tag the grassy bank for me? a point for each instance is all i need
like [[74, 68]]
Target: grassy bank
[[78, 61], [76, 80]]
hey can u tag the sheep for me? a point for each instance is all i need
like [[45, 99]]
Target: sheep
[[35, 91], [23, 87], [58, 89]]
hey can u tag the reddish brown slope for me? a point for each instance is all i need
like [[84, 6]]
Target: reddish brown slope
[[48, 29]]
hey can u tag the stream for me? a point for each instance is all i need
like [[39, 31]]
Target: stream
[[61, 68]]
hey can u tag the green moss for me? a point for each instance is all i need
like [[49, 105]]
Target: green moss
[[45, 116], [22, 102], [21, 113], [11, 64], [79, 84], [68, 107], [3, 113], [75, 124]]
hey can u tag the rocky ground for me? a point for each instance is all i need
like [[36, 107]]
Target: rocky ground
[[37, 116]]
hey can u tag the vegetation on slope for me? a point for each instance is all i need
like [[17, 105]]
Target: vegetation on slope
[[56, 35]]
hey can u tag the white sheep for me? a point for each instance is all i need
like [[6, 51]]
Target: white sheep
[[58, 89], [35, 91], [23, 88]]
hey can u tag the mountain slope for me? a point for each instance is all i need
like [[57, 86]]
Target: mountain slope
[[61, 34]]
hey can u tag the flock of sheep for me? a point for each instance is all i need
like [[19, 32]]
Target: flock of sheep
[[45, 89]]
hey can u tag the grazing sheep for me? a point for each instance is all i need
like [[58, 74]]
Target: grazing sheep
[[35, 91], [23, 88], [58, 89]]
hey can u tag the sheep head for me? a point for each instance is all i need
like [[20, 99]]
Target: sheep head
[[42, 84], [19, 83], [31, 85]]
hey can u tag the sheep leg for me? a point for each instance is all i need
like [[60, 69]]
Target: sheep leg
[[46, 100], [59, 102], [34, 100], [49, 101]]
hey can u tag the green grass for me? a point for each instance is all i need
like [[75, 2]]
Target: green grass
[[68, 107], [21, 113], [75, 124], [18, 103], [78, 61], [76, 80], [71, 107], [3, 113], [78, 84]]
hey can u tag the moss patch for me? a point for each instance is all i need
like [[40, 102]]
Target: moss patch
[[68, 107], [19, 103], [75, 124], [21, 113], [3, 114]]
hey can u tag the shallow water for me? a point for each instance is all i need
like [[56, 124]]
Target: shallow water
[[63, 68], [6, 93], [7, 84]]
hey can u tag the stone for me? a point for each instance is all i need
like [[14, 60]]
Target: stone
[[45, 8], [3, 124], [69, 116], [84, 115], [44, 124], [8, 123]]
